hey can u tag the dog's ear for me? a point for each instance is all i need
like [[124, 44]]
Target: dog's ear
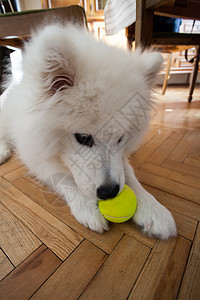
[[61, 82], [58, 72]]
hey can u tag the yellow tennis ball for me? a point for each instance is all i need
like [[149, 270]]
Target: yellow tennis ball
[[121, 208]]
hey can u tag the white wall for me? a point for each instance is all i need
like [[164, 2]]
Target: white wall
[[176, 79]]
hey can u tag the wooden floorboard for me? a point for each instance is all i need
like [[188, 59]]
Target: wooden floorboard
[[182, 168], [30, 275], [170, 186], [46, 254], [190, 288], [176, 203], [6, 265], [60, 238], [161, 275], [119, 272], [74, 275], [16, 240]]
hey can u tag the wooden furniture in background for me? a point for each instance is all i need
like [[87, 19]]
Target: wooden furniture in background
[[181, 67], [22, 23], [93, 8], [61, 3], [16, 28], [167, 42]]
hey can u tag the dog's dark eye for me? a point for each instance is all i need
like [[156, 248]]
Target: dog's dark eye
[[84, 139], [120, 139]]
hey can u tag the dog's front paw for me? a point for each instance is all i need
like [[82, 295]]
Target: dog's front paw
[[93, 219], [154, 218], [5, 152]]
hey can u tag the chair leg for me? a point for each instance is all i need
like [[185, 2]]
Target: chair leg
[[167, 76], [130, 35], [194, 75]]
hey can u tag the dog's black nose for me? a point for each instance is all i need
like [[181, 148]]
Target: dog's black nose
[[107, 191]]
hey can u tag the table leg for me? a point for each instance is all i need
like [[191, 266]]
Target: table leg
[[144, 25]]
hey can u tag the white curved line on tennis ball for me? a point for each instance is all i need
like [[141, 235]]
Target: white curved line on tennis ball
[[124, 217]]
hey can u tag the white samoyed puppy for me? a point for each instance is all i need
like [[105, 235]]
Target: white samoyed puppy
[[80, 108]]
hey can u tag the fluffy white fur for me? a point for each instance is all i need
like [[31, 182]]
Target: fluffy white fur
[[71, 84]]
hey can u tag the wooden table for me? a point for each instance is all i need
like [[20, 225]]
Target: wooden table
[[145, 10], [142, 30]]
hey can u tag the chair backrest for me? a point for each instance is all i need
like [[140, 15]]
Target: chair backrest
[[61, 3], [7, 6], [23, 23]]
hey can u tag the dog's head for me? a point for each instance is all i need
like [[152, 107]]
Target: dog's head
[[96, 102]]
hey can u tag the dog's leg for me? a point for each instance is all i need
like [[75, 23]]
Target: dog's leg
[[5, 147], [154, 218], [59, 179], [83, 208], [86, 212], [5, 152]]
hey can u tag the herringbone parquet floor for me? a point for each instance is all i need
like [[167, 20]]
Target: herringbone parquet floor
[[46, 254]]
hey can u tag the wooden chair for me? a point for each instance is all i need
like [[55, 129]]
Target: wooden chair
[[61, 3], [16, 27], [95, 17], [142, 30]]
